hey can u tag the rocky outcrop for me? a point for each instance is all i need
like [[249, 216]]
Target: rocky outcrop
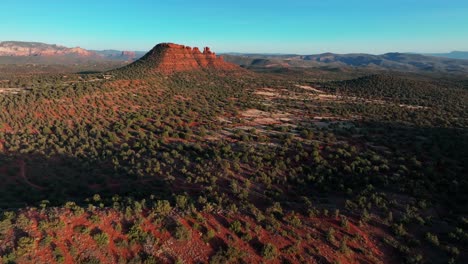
[[128, 55], [169, 58], [14, 48]]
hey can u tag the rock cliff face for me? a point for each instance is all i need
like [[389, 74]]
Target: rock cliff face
[[169, 58], [13, 48]]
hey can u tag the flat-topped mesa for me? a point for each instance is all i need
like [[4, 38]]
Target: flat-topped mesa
[[172, 45], [170, 58]]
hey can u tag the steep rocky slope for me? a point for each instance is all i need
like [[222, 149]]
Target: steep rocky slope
[[169, 58]]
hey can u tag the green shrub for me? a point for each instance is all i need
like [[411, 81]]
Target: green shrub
[[236, 227], [269, 251], [331, 235], [182, 233], [137, 234], [344, 249], [433, 239], [209, 235], [101, 239]]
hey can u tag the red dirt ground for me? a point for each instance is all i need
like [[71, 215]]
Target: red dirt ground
[[305, 243]]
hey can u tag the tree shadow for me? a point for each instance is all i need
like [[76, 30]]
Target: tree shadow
[[28, 179]]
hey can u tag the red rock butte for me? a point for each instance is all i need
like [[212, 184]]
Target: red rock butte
[[169, 58]]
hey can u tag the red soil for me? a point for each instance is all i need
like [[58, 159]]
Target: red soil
[[307, 240]]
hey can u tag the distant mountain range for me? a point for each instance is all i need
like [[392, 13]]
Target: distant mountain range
[[37, 49], [388, 61], [120, 55], [453, 55], [15, 52]]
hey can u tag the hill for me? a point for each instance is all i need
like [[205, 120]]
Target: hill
[[463, 55], [120, 55], [454, 55], [388, 61], [168, 58]]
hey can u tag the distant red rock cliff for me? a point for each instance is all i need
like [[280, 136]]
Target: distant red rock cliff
[[15, 48], [128, 54]]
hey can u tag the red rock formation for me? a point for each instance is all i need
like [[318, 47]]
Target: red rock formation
[[12, 48], [78, 51], [170, 58], [129, 55]]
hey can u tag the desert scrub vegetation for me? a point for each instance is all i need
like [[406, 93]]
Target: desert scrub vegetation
[[154, 149]]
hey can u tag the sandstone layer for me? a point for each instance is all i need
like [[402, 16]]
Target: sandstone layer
[[169, 58]]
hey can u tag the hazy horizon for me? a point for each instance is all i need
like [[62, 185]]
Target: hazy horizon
[[302, 27], [247, 52]]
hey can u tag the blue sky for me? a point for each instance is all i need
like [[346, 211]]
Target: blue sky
[[287, 26]]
